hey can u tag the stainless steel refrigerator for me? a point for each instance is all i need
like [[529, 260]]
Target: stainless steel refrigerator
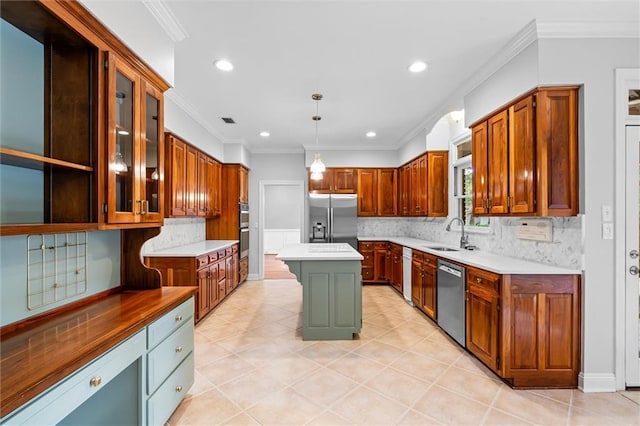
[[333, 218]]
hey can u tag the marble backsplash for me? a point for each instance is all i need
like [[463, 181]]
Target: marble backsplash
[[565, 250], [177, 232]]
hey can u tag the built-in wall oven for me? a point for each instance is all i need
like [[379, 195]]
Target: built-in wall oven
[[244, 230]]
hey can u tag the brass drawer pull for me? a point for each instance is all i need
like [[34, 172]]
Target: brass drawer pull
[[95, 381], [179, 349], [179, 388], [478, 280]]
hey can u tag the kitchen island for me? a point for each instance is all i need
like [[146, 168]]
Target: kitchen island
[[331, 289]]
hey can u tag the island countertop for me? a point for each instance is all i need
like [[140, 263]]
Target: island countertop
[[319, 251]]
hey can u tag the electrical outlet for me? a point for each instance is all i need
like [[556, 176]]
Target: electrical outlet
[[607, 231]]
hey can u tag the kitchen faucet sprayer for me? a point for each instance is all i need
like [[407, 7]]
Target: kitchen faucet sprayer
[[464, 241]]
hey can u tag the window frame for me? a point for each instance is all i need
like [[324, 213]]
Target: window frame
[[456, 182]]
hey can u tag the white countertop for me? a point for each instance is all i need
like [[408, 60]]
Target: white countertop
[[319, 251], [478, 258], [192, 250]]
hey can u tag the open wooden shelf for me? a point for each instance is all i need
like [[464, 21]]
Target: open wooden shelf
[[13, 157]]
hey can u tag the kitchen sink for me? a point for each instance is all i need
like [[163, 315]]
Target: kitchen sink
[[439, 248]]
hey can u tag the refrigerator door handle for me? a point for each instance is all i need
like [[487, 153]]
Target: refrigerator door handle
[[331, 224]]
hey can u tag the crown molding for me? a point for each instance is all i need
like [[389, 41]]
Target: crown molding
[[176, 97], [277, 151], [324, 148], [532, 32], [161, 11]]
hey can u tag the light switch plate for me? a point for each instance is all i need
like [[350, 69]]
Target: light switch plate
[[607, 231], [607, 213], [536, 229]]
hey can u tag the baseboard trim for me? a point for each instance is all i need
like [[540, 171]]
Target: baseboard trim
[[596, 382]]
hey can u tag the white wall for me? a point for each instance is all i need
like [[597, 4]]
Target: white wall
[[414, 147], [509, 82], [237, 153], [438, 138], [592, 63], [131, 21]]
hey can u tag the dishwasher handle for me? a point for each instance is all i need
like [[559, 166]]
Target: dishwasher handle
[[450, 270]]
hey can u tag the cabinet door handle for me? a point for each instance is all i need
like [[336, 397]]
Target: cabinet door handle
[[179, 388], [178, 317], [95, 381], [140, 209], [179, 349]]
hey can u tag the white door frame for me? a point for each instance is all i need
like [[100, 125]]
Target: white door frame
[[625, 80], [300, 184]]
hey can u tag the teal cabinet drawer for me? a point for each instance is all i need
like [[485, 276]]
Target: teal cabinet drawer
[[164, 358], [169, 322], [61, 400], [173, 390]]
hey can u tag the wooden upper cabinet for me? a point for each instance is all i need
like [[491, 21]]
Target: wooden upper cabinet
[[438, 183], [320, 186], [525, 157], [419, 185], [498, 155], [557, 151], [344, 181], [480, 168], [377, 192], [522, 152], [193, 181], [176, 176], [334, 181], [367, 192], [387, 192], [134, 147], [405, 190], [243, 182]]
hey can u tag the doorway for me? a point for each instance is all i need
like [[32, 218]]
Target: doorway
[[281, 223], [627, 217], [632, 250]]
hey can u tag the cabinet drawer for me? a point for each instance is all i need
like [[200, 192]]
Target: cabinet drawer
[[367, 273], [229, 252], [234, 249], [484, 279], [202, 261], [368, 258], [162, 360], [165, 400], [418, 255], [380, 246], [56, 404], [169, 322], [222, 253], [366, 246], [430, 260], [213, 256]]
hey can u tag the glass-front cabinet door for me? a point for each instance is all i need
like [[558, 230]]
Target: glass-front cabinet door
[[152, 155], [135, 147]]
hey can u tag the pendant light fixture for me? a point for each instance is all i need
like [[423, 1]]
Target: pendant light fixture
[[317, 167]]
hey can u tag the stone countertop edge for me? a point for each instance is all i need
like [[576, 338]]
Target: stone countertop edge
[[302, 252], [480, 259], [191, 250]]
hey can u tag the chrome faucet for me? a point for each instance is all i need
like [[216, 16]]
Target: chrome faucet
[[464, 241]]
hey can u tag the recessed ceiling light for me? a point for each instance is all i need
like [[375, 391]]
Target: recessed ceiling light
[[223, 65], [265, 134], [371, 134], [418, 66]]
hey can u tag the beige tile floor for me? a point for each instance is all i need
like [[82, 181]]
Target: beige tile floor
[[252, 367]]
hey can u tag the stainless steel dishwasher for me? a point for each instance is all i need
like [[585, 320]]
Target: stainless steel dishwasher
[[451, 300]]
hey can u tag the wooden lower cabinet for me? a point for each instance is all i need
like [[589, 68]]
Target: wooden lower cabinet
[[395, 276], [215, 274], [243, 270], [375, 261], [526, 328], [423, 282]]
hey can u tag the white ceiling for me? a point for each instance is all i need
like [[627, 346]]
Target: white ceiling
[[355, 53]]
